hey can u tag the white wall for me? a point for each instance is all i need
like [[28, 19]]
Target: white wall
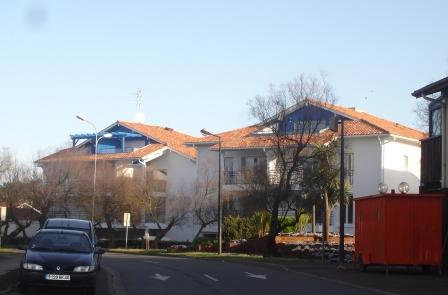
[[181, 174], [375, 163], [394, 151]]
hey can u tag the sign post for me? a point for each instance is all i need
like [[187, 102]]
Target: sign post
[[146, 239], [2, 218], [127, 223]]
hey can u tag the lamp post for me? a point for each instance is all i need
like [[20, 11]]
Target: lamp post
[[205, 132], [105, 135], [334, 122]]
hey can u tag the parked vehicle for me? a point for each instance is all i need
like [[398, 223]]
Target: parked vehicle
[[76, 224], [57, 257]]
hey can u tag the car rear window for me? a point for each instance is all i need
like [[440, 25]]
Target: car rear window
[[61, 242], [61, 223]]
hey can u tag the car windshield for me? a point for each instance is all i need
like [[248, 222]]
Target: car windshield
[[61, 242], [86, 230]]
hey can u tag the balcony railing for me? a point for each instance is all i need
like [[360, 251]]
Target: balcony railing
[[114, 150], [431, 159], [249, 176]]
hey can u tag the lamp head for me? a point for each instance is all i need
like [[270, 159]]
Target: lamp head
[[382, 188], [403, 187], [107, 135], [80, 118], [205, 132]]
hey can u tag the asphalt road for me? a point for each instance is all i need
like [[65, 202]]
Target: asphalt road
[[134, 274]]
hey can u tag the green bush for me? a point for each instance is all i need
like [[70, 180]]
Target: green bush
[[203, 241], [237, 228]]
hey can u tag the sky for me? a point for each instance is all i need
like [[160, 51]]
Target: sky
[[199, 62]]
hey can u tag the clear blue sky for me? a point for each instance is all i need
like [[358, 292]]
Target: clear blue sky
[[199, 62]]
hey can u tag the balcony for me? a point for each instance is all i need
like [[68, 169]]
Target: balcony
[[431, 167], [114, 150], [248, 176]]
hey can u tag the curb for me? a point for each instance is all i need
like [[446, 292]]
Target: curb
[[114, 284]]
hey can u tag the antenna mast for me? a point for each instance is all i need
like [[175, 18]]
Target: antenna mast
[[139, 116]]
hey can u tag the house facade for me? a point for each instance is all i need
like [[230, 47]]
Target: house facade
[[434, 148], [434, 177], [133, 149], [376, 151]]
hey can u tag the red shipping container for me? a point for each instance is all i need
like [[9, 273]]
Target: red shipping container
[[399, 229]]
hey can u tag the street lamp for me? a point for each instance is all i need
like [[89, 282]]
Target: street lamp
[[105, 135], [334, 121], [205, 132]]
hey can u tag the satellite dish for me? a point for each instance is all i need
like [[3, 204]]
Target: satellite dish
[[140, 117]]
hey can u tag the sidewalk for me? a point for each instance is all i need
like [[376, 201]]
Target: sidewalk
[[399, 281], [9, 261]]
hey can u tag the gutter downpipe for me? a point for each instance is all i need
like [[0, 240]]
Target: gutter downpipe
[[382, 157]]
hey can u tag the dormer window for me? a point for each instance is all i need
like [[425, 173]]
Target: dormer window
[[435, 122], [311, 126]]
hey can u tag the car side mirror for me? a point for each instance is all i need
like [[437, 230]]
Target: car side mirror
[[99, 250]]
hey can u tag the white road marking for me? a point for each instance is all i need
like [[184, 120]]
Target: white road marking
[[159, 277], [211, 278], [155, 262], [251, 275]]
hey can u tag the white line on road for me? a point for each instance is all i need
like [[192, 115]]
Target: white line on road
[[154, 262], [159, 277], [251, 275], [211, 278]]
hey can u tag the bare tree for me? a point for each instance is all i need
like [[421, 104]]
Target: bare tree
[[205, 201], [115, 194], [289, 141], [165, 209], [13, 192], [421, 112]]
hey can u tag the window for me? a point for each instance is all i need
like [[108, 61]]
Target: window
[[405, 163], [435, 122], [228, 164], [349, 165], [349, 214], [309, 126], [229, 174]]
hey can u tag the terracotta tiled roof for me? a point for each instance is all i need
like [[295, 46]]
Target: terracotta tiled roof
[[379, 123], [171, 138], [363, 124], [77, 154], [245, 138], [167, 137]]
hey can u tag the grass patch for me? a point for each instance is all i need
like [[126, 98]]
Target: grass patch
[[213, 256], [10, 250]]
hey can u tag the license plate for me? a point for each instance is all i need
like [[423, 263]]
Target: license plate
[[53, 277]]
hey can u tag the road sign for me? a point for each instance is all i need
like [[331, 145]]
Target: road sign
[[127, 223], [2, 218], [127, 219], [2, 213]]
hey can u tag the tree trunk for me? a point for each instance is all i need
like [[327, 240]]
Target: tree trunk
[[199, 231], [110, 232], [271, 246], [161, 233], [313, 220], [326, 221]]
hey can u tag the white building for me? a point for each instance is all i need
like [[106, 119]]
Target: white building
[[134, 147], [376, 150]]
